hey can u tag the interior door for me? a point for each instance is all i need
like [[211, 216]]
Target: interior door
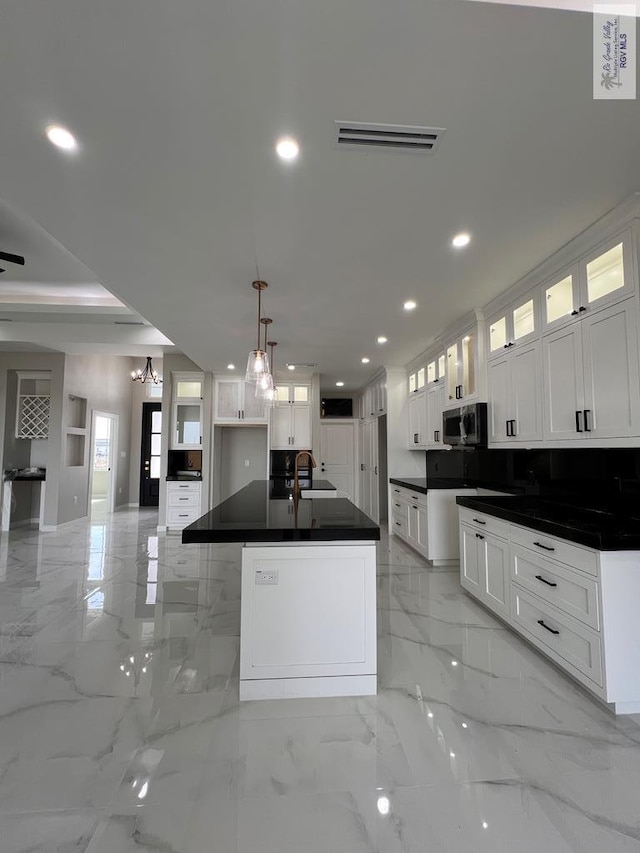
[[150, 454], [337, 455]]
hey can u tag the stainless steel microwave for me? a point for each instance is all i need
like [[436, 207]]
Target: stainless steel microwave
[[465, 426]]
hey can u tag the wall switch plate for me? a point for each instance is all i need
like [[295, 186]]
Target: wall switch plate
[[123, 454], [246, 463], [266, 577]]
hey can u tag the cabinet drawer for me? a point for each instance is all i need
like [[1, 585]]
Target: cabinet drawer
[[399, 525], [184, 487], [570, 641], [177, 517], [558, 549], [569, 591], [184, 499], [488, 523], [399, 493]]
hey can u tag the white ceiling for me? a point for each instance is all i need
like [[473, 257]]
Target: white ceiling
[[175, 190]]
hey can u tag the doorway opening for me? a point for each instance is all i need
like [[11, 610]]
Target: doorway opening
[[150, 454], [102, 487]]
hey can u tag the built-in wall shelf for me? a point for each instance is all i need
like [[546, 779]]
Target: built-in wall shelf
[[75, 446], [76, 414], [75, 431], [33, 404]]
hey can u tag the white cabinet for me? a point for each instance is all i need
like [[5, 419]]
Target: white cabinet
[[513, 326], [369, 495], [428, 523], [602, 277], [186, 411], [183, 504], [484, 563], [435, 407], [293, 392], [461, 369], [418, 420], [591, 380], [290, 427], [515, 395], [373, 400], [235, 400]]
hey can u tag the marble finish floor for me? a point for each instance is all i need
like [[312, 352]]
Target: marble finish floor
[[120, 727]]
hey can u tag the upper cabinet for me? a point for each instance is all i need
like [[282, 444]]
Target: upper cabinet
[[291, 417], [516, 325], [373, 400], [461, 369], [601, 278], [186, 411], [293, 392], [235, 401]]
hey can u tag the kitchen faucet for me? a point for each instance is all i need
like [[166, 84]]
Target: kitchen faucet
[[296, 484]]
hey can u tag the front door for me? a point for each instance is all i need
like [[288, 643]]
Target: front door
[[150, 454]]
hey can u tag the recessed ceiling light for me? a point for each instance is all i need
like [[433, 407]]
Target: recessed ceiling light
[[287, 148], [231, 367], [382, 339], [461, 240], [454, 663], [365, 360], [339, 384], [409, 305], [61, 137], [291, 366]]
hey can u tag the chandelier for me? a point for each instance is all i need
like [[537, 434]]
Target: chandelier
[[149, 374]]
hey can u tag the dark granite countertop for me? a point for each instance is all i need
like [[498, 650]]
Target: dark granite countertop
[[605, 526], [253, 515], [192, 478], [419, 484]]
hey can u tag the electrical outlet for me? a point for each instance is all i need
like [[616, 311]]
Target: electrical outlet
[[120, 490], [75, 499], [123, 454], [265, 577], [246, 463]]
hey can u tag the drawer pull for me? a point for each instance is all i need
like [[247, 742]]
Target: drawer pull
[[183, 499], [397, 491], [544, 580], [183, 515], [478, 521], [546, 627], [478, 536], [544, 547], [398, 504], [398, 524], [414, 506]]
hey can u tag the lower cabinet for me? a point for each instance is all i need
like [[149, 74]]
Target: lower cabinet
[[183, 504], [573, 603], [484, 567], [428, 523]]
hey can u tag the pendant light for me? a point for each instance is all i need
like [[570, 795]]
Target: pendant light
[[257, 363], [270, 394], [265, 383], [149, 374]]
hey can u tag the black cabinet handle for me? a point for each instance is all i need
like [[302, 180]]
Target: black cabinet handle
[[397, 491], [550, 630], [578, 426], [362, 469], [414, 506], [398, 524], [581, 309], [238, 414], [586, 413], [544, 547], [398, 504], [479, 521], [507, 423], [544, 580], [479, 536], [574, 313], [415, 438]]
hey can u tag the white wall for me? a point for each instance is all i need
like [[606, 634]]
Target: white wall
[[239, 445], [105, 381]]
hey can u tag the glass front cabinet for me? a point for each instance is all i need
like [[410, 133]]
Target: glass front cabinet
[[461, 368], [515, 325], [186, 411]]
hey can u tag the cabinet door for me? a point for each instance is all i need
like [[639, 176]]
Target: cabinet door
[[435, 406], [469, 562], [227, 403], [563, 383], [301, 427], [187, 425], [417, 420], [612, 391], [499, 398], [607, 273], [281, 427], [452, 372], [468, 366], [526, 392], [494, 571], [253, 408], [420, 529]]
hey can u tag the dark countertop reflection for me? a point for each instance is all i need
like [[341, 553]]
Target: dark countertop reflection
[[254, 514], [607, 525]]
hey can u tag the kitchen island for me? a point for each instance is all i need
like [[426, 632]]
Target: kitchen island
[[308, 597]]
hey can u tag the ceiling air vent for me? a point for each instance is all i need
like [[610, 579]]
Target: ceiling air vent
[[403, 137]]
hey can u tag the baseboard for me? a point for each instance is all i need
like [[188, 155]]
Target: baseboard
[[297, 688], [161, 528], [133, 506]]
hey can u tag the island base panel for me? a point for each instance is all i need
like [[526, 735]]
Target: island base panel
[[308, 621]]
